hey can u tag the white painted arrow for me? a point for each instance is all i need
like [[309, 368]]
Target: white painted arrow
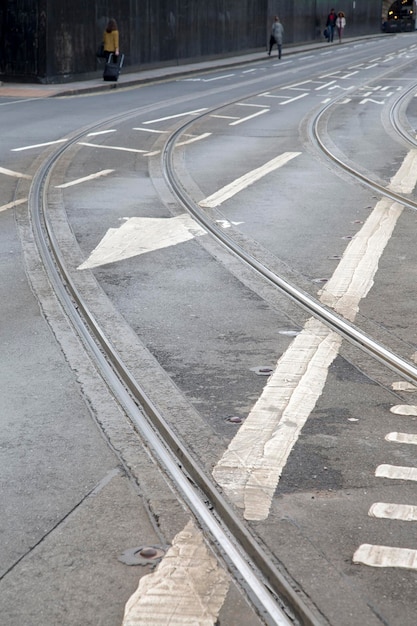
[[139, 235]]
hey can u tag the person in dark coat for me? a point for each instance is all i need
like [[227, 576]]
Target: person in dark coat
[[277, 35], [331, 24]]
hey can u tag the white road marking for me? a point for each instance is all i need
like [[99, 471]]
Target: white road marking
[[250, 469], [303, 82], [404, 409], [403, 385], [103, 147], [188, 587], [101, 132], [151, 130], [249, 117], [139, 235], [209, 80], [172, 117], [402, 438], [388, 510], [193, 139], [303, 95], [278, 97], [365, 100], [84, 179], [405, 179], [11, 205], [225, 117], [3, 170], [227, 224], [244, 181], [384, 556], [396, 472], [247, 104], [39, 145], [325, 85], [354, 276]]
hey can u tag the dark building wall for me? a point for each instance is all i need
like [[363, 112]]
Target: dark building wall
[[305, 20], [56, 40]]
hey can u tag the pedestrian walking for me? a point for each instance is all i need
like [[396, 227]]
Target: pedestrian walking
[[331, 25], [340, 24], [111, 40], [277, 35]]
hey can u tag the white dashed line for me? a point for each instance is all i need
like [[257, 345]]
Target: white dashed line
[[388, 510], [7, 172], [385, 556], [39, 145], [84, 179], [102, 147], [11, 205], [402, 438]]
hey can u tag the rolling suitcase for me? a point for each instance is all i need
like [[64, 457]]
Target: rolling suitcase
[[112, 69]]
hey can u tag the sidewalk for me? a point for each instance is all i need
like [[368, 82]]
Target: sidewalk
[[130, 79]]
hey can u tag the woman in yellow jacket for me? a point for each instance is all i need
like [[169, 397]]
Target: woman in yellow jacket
[[111, 40]]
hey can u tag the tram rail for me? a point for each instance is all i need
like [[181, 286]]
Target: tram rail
[[276, 600]]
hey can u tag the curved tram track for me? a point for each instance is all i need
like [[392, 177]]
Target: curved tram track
[[275, 599]]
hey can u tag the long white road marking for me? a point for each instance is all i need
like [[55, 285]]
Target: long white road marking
[[103, 147], [303, 95], [248, 117], [325, 86], [256, 106], [11, 205], [402, 438], [173, 117], [7, 172], [101, 132], [193, 139], [396, 472], [188, 587], [354, 276], [39, 145], [388, 510], [139, 235], [209, 80], [247, 179], [84, 179], [250, 469], [151, 130], [225, 117], [384, 556]]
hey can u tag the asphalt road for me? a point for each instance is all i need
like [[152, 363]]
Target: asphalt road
[[79, 488]]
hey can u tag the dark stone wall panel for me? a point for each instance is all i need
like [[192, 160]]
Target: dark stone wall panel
[[19, 20]]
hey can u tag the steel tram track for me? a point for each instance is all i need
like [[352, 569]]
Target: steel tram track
[[277, 602], [307, 302], [269, 590]]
